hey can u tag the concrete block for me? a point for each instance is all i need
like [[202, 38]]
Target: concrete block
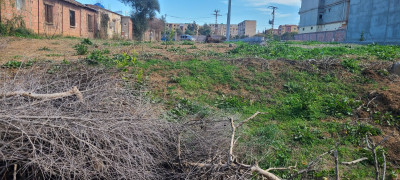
[[395, 68]]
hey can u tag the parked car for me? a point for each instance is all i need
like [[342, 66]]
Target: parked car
[[187, 38]]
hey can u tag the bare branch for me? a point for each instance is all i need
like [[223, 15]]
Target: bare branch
[[248, 119], [384, 166], [355, 161], [74, 91]]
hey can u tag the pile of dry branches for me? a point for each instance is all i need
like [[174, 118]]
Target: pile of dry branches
[[79, 123]]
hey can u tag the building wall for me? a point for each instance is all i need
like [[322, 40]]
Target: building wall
[[377, 20], [114, 24], [323, 15], [221, 29], [247, 28], [308, 13], [33, 15], [127, 27], [324, 36], [333, 11], [287, 28]]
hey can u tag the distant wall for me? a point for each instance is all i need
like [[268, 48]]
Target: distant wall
[[326, 36], [377, 20]]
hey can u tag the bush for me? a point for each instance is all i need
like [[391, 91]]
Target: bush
[[351, 65], [188, 43], [81, 49], [17, 64], [87, 41]]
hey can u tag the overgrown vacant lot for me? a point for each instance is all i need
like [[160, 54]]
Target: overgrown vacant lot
[[314, 97]]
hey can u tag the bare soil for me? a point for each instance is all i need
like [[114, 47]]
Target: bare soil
[[21, 49]]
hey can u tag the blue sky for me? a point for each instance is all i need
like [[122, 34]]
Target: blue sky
[[185, 11]]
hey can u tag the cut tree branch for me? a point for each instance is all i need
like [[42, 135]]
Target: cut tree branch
[[74, 91], [355, 161], [232, 163]]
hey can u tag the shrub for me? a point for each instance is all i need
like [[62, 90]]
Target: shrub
[[188, 43], [81, 49], [17, 64], [87, 41], [351, 65], [12, 64]]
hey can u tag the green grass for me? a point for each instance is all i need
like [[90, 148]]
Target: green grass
[[296, 102], [308, 112], [17, 64], [277, 50], [54, 55]]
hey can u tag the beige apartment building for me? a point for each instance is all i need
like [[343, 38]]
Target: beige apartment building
[[288, 29], [247, 28], [220, 29], [182, 26]]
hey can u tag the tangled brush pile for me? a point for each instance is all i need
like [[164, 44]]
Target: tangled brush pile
[[79, 123]]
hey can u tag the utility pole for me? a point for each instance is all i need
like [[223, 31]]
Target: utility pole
[[216, 14], [228, 24], [272, 22], [165, 31]]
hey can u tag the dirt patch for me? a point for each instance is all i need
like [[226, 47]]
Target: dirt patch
[[21, 49], [392, 144]]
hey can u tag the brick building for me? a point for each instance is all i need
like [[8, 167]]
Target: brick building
[[53, 17], [111, 30], [154, 33], [56, 17], [127, 27]]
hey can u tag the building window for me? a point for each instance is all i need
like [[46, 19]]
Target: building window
[[72, 18], [90, 23], [304, 29], [20, 4], [312, 28], [320, 16], [48, 11]]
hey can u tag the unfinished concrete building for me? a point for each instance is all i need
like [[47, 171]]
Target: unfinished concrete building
[[323, 20], [374, 21]]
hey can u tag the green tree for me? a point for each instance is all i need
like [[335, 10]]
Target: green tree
[[189, 32], [193, 26], [179, 31], [205, 30], [142, 12]]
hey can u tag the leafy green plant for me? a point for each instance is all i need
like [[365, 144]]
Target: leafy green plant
[[12, 64], [193, 47], [188, 43], [54, 55], [86, 41], [81, 49], [351, 65], [17, 64], [44, 49], [126, 43]]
